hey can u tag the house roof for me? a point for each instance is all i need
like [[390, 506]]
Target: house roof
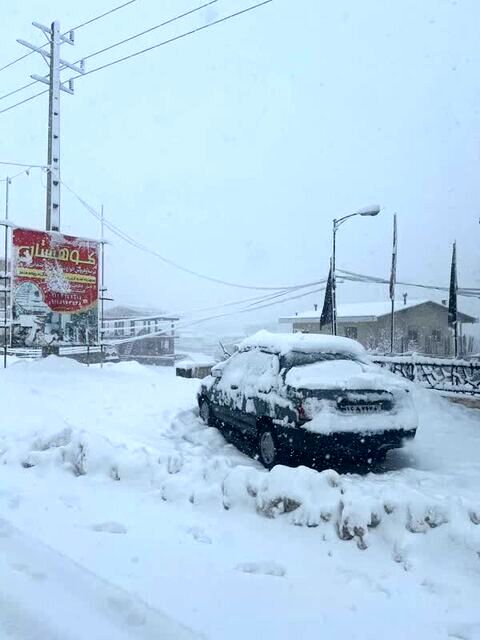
[[124, 312], [370, 311]]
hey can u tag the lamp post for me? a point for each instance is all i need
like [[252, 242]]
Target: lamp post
[[337, 222], [7, 280]]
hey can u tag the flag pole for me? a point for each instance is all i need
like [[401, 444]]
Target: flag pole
[[456, 338], [393, 280], [392, 326]]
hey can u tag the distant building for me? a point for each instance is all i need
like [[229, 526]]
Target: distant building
[[124, 328], [420, 325]]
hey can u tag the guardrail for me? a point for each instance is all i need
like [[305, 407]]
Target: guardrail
[[36, 352], [442, 374]]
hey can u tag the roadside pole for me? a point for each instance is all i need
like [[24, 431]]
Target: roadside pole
[[55, 86], [102, 285], [6, 288]]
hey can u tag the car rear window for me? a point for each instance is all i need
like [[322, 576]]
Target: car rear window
[[298, 358]]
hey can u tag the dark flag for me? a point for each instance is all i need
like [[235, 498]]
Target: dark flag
[[327, 311], [452, 298], [393, 273]]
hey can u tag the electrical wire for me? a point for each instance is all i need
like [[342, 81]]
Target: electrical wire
[[121, 234], [358, 277], [137, 53], [17, 104], [142, 33], [147, 49], [117, 44], [103, 15], [83, 24], [173, 39], [22, 164], [186, 325], [25, 86]]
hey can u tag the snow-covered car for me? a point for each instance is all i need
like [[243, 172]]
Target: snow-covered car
[[308, 399]]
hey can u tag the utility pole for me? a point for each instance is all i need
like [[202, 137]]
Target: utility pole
[[55, 85], [7, 292]]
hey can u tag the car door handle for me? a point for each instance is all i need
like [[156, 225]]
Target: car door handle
[[234, 386]]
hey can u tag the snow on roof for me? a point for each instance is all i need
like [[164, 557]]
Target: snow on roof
[[305, 342], [124, 312], [361, 309]]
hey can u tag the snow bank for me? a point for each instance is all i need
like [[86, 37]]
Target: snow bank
[[352, 506]]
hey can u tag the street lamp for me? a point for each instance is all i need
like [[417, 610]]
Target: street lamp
[[367, 211]]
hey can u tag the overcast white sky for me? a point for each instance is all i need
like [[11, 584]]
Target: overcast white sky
[[231, 151]]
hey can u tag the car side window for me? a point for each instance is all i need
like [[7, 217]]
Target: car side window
[[261, 372], [233, 371], [250, 372]]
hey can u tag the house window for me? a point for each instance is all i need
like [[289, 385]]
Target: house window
[[351, 332], [436, 335], [132, 327], [412, 335]]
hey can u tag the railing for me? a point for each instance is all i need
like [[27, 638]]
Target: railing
[[36, 352], [442, 374]]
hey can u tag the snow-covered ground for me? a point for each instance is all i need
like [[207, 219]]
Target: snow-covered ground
[[123, 516]]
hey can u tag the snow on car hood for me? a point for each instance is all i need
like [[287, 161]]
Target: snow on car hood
[[341, 374]]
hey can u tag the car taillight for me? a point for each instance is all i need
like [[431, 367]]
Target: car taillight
[[303, 412]]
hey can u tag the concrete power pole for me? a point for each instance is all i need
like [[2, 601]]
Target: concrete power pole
[[55, 85]]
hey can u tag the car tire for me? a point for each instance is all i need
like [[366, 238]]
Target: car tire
[[205, 412], [268, 449]]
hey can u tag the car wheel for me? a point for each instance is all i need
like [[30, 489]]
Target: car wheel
[[267, 448], [205, 413]]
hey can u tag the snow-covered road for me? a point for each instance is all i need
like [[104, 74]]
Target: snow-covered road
[[121, 515]]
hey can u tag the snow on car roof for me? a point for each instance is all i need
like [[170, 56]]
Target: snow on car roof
[[283, 343]]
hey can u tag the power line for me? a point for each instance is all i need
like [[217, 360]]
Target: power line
[[83, 24], [17, 104], [174, 39], [107, 13], [25, 86], [124, 236], [358, 277], [186, 325], [142, 33], [117, 44], [22, 164], [156, 46]]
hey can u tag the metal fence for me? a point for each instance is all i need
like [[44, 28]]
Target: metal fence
[[442, 374]]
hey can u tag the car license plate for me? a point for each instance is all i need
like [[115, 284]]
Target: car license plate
[[361, 408]]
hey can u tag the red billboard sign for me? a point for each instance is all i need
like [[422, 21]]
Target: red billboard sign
[[55, 286]]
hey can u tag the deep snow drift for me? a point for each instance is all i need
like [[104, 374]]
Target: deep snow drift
[[122, 515]]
